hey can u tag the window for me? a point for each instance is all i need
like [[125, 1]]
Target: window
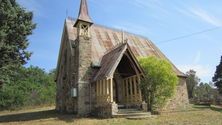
[[84, 30]]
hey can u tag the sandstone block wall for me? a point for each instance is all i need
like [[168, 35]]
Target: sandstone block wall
[[180, 100], [84, 76], [105, 110]]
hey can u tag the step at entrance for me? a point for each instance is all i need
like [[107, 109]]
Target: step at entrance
[[132, 114]]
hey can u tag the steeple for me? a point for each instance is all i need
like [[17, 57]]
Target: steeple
[[84, 22], [83, 14]]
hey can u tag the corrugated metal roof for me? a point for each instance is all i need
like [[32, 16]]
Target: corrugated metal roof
[[110, 61], [104, 39]]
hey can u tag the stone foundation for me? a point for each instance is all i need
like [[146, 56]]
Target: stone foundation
[[106, 110], [144, 107]]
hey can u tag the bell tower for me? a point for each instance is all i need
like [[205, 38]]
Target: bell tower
[[84, 21], [84, 53]]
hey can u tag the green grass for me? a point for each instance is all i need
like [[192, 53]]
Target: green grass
[[197, 115]]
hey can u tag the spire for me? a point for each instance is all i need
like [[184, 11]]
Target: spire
[[83, 13]]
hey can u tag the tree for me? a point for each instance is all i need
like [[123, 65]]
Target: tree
[[217, 79], [20, 86], [28, 86], [159, 83], [192, 81], [203, 93], [15, 25]]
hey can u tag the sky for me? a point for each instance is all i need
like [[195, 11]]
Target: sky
[[188, 32]]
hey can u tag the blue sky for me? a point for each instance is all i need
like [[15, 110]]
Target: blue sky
[[159, 20]]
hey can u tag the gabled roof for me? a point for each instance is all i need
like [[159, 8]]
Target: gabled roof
[[84, 13], [111, 60], [104, 39]]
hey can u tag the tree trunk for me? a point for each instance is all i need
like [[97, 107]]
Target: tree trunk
[[149, 102]]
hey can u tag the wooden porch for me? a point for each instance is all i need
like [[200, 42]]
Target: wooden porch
[[130, 91]]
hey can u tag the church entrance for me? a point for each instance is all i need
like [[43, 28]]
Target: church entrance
[[117, 81], [126, 81], [116, 94]]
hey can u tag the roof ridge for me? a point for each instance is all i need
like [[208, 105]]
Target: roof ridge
[[115, 47], [115, 29], [126, 32]]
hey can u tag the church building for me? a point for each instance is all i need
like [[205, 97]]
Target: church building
[[98, 71]]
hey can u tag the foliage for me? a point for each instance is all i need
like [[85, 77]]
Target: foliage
[[159, 82], [217, 79], [192, 81], [201, 93], [204, 93], [19, 85], [15, 25], [27, 86]]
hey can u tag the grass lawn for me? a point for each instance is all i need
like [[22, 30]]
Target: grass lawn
[[198, 115]]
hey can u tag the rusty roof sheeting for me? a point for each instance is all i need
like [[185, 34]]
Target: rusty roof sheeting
[[109, 62], [103, 39]]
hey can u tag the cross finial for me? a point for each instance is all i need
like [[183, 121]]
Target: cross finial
[[124, 40]]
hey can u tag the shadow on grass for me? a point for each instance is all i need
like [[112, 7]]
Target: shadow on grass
[[201, 107], [29, 116], [213, 108], [216, 108]]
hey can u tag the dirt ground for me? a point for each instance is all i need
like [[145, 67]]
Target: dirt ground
[[198, 115]]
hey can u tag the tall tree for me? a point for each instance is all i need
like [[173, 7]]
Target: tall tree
[[217, 79], [192, 82], [15, 26], [159, 82]]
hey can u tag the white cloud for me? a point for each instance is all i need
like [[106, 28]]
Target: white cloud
[[184, 11], [206, 16], [133, 28], [150, 4], [200, 14], [140, 3], [146, 3], [197, 57], [202, 70], [205, 72]]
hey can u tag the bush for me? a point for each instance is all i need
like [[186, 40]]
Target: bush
[[159, 83], [27, 87]]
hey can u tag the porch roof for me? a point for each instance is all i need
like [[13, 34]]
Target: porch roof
[[111, 60]]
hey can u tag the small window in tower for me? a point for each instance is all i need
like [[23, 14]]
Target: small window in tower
[[85, 30]]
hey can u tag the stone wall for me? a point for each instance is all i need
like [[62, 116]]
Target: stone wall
[[84, 75], [180, 100], [105, 110], [66, 79], [62, 78], [74, 71]]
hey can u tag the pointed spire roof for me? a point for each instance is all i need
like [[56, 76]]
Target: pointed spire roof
[[83, 13]]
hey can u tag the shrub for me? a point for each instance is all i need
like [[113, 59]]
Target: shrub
[[159, 83]]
